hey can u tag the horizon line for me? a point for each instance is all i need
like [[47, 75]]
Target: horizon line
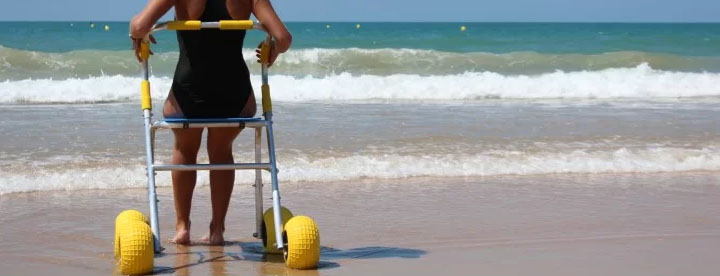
[[359, 21]]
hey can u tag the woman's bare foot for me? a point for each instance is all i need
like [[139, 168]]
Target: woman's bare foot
[[215, 237], [182, 235]]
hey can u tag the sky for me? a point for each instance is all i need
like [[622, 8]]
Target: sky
[[399, 10]]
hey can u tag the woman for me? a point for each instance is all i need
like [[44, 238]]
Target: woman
[[211, 80]]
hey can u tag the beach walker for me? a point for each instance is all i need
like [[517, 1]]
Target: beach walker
[[297, 237]]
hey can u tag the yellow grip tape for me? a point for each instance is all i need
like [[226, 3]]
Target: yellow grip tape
[[266, 102], [236, 24], [145, 50], [145, 95], [184, 25], [265, 53]]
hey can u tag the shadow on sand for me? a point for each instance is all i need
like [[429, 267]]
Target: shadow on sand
[[219, 256]]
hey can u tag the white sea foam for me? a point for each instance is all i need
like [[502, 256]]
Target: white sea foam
[[641, 82], [389, 166]]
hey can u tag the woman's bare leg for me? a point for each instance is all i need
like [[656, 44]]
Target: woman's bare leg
[[219, 148], [187, 144]]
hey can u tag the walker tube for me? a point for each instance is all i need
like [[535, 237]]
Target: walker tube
[[274, 179], [258, 185], [147, 116], [267, 113], [152, 196]]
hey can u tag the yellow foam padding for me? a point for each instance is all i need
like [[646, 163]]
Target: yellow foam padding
[[145, 50], [303, 243], [122, 218], [236, 24], [268, 218], [266, 101], [145, 95], [185, 25], [265, 53], [137, 252]]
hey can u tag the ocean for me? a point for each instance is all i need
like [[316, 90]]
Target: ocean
[[380, 101]]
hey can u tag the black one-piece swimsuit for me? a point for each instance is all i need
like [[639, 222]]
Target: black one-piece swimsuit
[[211, 78]]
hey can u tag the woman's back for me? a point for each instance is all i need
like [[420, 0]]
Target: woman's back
[[211, 78]]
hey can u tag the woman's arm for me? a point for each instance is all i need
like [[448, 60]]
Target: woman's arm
[[143, 22], [264, 12]]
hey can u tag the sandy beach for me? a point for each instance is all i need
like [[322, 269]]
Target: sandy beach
[[606, 224]]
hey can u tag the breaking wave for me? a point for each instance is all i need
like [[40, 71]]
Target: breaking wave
[[388, 166], [640, 82]]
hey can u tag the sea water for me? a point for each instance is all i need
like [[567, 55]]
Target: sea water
[[387, 100]]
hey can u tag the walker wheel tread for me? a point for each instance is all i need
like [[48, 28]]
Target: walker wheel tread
[[134, 244], [122, 218], [302, 238]]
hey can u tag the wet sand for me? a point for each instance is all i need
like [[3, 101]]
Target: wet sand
[[603, 224]]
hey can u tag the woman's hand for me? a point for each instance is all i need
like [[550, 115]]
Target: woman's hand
[[273, 52], [282, 39], [136, 46], [142, 23]]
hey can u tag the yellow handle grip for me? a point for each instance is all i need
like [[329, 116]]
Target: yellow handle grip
[[144, 50], [236, 24], [145, 99], [265, 53], [186, 25], [266, 101]]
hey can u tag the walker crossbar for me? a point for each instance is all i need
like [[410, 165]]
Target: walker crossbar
[[205, 167], [168, 124], [256, 123]]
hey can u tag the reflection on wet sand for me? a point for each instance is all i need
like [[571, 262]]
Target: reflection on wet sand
[[181, 260], [213, 260], [249, 257], [184, 264]]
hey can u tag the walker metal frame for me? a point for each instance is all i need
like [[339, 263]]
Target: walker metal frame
[[257, 123]]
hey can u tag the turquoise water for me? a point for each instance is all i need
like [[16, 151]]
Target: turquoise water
[[387, 100], [677, 39], [62, 50]]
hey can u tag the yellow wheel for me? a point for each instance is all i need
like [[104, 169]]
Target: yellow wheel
[[136, 248], [124, 216], [268, 235], [302, 238]]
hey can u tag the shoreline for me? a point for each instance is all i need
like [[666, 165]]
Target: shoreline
[[410, 179]]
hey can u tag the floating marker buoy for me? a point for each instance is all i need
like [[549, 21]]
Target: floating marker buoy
[[463, 28], [71, 24], [357, 26], [107, 28], [92, 25], [327, 26]]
